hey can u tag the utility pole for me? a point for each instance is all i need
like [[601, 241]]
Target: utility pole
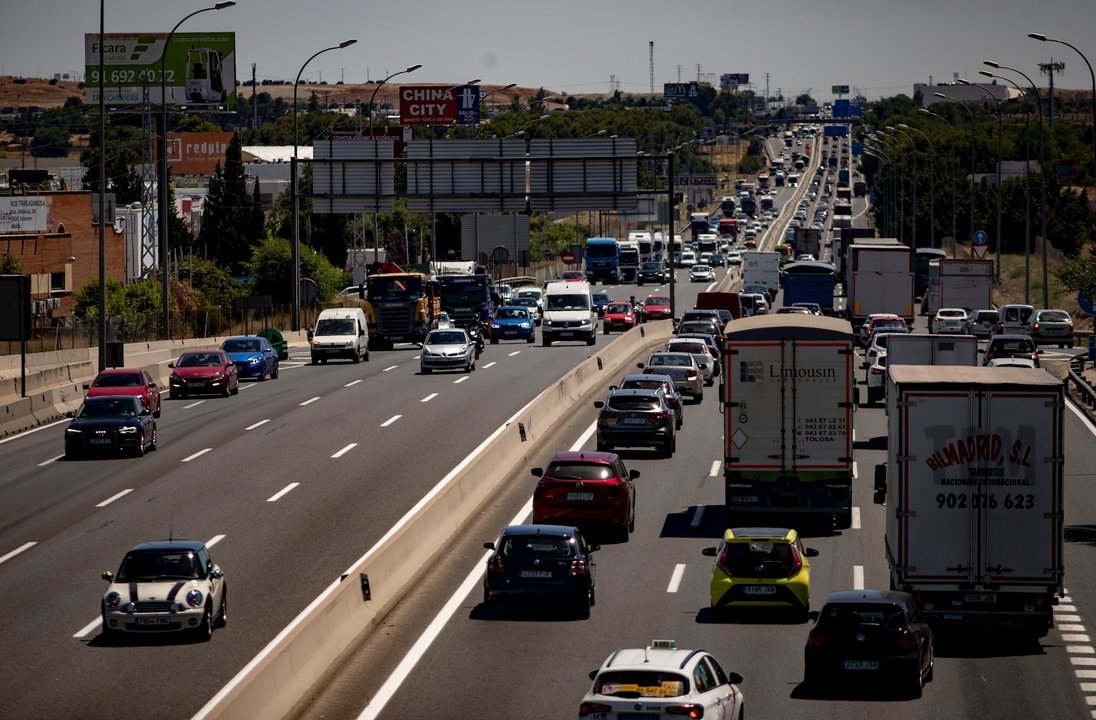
[[1049, 69], [766, 90], [698, 72], [679, 73], [651, 47], [254, 101]]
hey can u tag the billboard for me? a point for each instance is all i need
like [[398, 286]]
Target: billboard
[[735, 79], [199, 68], [25, 214], [839, 89], [196, 153], [398, 136], [439, 104], [680, 91]]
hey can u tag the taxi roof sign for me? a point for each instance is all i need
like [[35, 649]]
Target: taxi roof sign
[[663, 644]]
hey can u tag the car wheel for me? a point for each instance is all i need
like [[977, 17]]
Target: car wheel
[[583, 603], [274, 373], [917, 683], [603, 446], [222, 616], [315, 360], [262, 375], [139, 451], [700, 398], [494, 341], [425, 370], [226, 392], [545, 341], [357, 357], [155, 437], [803, 614], [532, 339], [604, 329], [204, 631], [236, 388], [156, 414]]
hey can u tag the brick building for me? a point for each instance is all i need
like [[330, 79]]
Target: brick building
[[55, 238]]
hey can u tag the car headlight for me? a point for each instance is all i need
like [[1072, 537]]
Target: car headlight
[[526, 325], [425, 353], [127, 430], [112, 600], [463, 349], [194, 598], [218, 376], [174, 378], [254, 361], [73, 431]]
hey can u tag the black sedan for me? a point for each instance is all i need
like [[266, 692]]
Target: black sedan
[[870, 635], [110, 424], [547, 562]]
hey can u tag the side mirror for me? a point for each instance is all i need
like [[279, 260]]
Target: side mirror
[[108, 576], [171, 364], [593, 547], [216, 573], [633, 474], [880, 495], [810, 552], [537, 472], [592, 674], [613, 387], [70, 414], [639, 365], [734, 678], [489, 545], [599, 404], [309, 334], [708, 552]]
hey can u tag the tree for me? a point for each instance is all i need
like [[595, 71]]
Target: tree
[[227, 231], [50, 142], [271, 271], [10, 265]]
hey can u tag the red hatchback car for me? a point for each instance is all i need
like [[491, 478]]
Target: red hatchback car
[[203, 371], [656, 307], [127, 381], [585, 488], [573, 276], [618, 316]]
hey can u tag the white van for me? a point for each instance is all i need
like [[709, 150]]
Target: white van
[[339, 333], [569, 313], [1014, 320]]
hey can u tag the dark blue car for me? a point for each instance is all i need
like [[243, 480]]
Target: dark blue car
[[253, 356], [513, 322], [601, 301]]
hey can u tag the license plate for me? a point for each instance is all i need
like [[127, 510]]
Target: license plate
[[745, 498], [196, 382], [100, 441], [759, 590], [860, 665], [566, 333], [153, 620], [536, 573], [633, 421], [580, 496], [980, 598], [638, 716]]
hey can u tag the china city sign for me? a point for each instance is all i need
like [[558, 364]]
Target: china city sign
[[439, 105]]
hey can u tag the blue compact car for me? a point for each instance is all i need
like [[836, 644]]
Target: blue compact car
[[513, 322], [253, 356]]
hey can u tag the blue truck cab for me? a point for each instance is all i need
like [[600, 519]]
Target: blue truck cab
[[602, 260]]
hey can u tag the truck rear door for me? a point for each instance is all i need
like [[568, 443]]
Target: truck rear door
[[789, 405]]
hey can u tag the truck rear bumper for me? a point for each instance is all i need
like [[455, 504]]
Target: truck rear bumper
[[985, 609]]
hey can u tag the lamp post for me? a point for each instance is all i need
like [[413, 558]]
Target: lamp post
[[484, 97], [954, 192], [296, 259], [1027, 186], [1042, 173], [164, 195], [890, 189], [913, 214], [932, 184], [882, 138], [970, 114], [873, 150], [999, 193], [410, 69], [1044, 38], [102, 203]]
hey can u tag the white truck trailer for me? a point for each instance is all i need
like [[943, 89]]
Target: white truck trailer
[[964, 284], [880, 279], [973, 489]]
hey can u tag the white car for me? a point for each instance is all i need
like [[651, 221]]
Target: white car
[[701, 273], [662, 681], [535, 293], [1012, 362], [163, 587], [876, 379], [877, 345], [734, 257], [444, 323], [700, 352], [687, 259], [949, 320]]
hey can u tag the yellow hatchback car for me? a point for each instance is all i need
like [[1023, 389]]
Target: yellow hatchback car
[[761, 567]]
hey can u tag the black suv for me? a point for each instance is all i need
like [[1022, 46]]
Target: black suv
[[548, 562], [636, 418], [651, 271]]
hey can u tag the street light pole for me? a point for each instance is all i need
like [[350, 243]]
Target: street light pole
[[1044, 38], [932, 184], [970, 114], [1027, 185], [954, 192], [913, 154], [901, 191], [999, 193], [102, 201], [165, 198], [1042, 174], [296, 259], [484, 97]]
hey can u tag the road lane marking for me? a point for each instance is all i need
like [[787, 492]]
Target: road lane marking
[[1067, 618], [489, 364], [34, 430], [857, 577], [390, 367], [675, 578], [516, 352], [714, 472], [1077, 660], [856, 518], [51, 460], [1070, 627], [1081, 649], [1085, 674], [429, 397], [345, 450], [697, 515], [391, 420], [258, 424], [710, 286], [1076, 637], [855, 470], [355, 382], [193, 404], [278, 495], [214, 540], [459, 380], [310, 401], [22, 548], [198, 454], [112, 498]]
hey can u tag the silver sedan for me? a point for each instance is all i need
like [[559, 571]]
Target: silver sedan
[[449, 349]]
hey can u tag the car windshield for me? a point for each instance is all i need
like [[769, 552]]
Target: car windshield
[[394, 288], [512, 313], [526, 301], [447, 337], [641, 683], [952, 314], [644, 384], [651, 266], [1017, 345], [759, 559], [675, 359], [532, 294], [463, 294], [657, 301], [241, 346], [867, 614], [579, 471], [688, 346], [336, 326], [623, 308], [537, 546], [119, 380], [107, 407], [159, 565], [698, 327], [1054, 316], [569, 302], [198, 360]]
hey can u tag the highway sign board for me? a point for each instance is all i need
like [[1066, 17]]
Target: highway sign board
[[980, 237], [199, 68], [735, 79], [1088, 307], [839, 89], [680, 91], [439, 105], [979, 251], [568, 257]]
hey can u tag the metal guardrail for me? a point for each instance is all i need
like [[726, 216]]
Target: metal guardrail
[[1076, 376]]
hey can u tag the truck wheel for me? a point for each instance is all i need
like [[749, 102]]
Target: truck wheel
[[842, 520], [604, 329], [545, 341]]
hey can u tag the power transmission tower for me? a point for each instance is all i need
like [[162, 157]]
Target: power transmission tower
[[1049, 69], [698, 72], [148, 234], [254, 101], [766, 89], [679, 73], [651, 47]]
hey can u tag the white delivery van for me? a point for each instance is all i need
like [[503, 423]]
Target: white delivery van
[[569, 313], [340, 333]]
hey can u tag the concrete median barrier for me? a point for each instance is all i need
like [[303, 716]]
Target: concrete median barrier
[[284, 672]]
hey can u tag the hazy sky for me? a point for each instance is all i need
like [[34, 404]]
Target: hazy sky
[[881, 47]]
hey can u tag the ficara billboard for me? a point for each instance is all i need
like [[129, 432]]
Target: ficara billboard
[[198, 68]]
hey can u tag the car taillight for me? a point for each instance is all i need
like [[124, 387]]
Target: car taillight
[[816, 638], [721, 563], [907, 640], [1035, 326], [494, 566], [691, 710], [591, 708], [578, 568], [661, 415], [610, 414], [693, 374], [797, 561]]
